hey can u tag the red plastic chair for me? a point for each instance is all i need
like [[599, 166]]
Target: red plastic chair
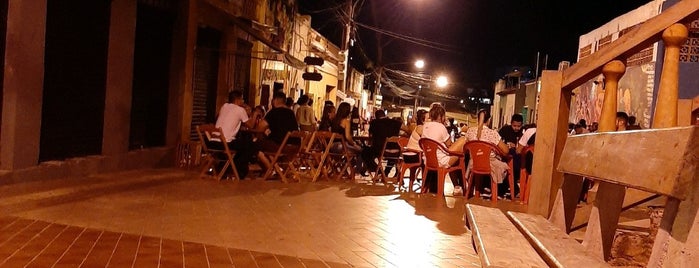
[[430, 148], [480, 155], [524, 176]]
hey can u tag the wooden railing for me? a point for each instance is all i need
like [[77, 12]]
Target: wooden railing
[[554, 108]]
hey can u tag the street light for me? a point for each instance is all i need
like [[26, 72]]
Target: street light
[[420, 64], [442, 81]]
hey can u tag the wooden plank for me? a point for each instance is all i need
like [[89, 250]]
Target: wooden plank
[[684, 112], [554, 108], [630, 43], [679, 247], [497, 241], [665, 167], [556, 247]]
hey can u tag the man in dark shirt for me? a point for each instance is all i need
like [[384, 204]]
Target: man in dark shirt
[[512, 132], [279, 121], [380, 129], [510, 135]]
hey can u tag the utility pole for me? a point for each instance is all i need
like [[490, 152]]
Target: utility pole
[[346, 39]]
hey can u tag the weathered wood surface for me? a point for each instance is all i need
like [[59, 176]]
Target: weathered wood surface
[[662, 161], [497, 242], [632, 197], [556, 247], [551, 134]]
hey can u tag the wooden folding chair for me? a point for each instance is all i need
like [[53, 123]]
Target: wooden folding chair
[[284, 160], [316, 152], [413, 167], [338, 164], [391, 151], [215, 152]]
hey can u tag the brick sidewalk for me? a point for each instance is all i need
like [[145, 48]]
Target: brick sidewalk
[[169, 217]]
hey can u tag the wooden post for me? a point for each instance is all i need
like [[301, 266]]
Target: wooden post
[[604, 215], [666, 116], [552, 130]]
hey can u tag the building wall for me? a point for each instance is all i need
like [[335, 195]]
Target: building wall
[[638, 86]]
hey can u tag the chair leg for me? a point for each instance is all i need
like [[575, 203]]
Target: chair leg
[[493, 190], [525, 192], [440, 182], [511, 178], [523, 184]]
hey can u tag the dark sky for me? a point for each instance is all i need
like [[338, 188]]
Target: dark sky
[[481, 37]]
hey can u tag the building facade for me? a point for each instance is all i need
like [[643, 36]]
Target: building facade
[[121, 78]]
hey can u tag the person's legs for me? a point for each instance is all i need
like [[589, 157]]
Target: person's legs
[[516, 166], [369, 157], [243, 154]]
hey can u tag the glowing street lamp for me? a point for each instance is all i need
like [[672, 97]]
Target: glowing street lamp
[[442, 81], [420, 64]]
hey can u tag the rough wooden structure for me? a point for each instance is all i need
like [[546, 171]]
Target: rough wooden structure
[[661, 161]]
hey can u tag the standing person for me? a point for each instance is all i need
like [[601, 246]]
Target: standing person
[[484, 133], [622, 121], [380, 129], [289, 103], [326, 119], [355, 121], [632, 123], [277, 122], [231, 117], [304, 115]]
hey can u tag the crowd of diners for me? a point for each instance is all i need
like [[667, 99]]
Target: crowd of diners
[[250, 131]]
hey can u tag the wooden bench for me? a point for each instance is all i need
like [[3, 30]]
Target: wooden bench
[[632, 159], [523, 240]]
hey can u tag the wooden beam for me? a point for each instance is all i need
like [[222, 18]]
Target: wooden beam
[[630, 43], [554, 108], [554, 245], [666, 167], [497, 241]]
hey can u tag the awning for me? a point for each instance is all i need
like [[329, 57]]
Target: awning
[[293, 61], [246, 25]]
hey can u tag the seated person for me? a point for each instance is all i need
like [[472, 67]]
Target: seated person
[[326, 118], [231, 118], [436, 130], [380, 129], [279, 121], [511, 134], [341, 125], [415, 135], [528, 139], [484, 133]]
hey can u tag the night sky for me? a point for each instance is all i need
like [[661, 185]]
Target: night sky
[[473, 41]]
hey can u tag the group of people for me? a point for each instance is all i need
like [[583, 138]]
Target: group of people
[[252, 132]]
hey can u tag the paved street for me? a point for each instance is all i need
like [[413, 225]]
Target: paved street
[[170, 217]]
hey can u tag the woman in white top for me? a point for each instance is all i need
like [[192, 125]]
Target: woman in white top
[[416, 134], [483, 133], [304, 115], [436, 130]]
